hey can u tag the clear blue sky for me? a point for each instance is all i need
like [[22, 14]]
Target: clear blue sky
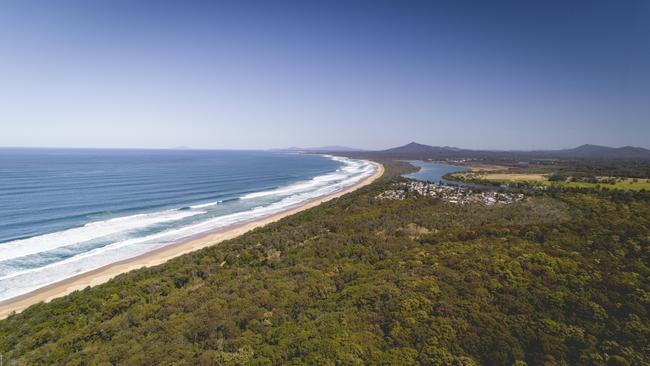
[[370, 74]]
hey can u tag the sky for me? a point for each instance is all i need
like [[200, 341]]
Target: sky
[[366, 74]]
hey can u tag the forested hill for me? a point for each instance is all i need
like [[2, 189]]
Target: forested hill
[[593, 153], [559, 278]]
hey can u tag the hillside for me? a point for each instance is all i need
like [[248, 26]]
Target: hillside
[[417, 151], [415, 148], [559, 278], [414, 151], [603, 152]]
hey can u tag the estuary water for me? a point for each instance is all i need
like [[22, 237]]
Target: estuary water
[[433, 171]]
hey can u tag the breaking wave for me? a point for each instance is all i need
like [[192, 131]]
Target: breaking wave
[[28, 264]]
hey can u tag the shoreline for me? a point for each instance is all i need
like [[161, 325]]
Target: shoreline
[[161, 255]]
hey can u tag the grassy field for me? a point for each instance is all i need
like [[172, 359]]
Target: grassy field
[[542, 179], [625, 185]]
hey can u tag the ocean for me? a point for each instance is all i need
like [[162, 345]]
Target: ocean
[[68, 211]]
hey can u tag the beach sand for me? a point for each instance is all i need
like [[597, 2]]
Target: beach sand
[[161, 255]]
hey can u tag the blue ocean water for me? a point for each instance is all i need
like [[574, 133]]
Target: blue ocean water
[[68, 211]]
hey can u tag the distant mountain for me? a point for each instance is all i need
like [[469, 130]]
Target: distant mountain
[[604, 152], [417, 151], [415, 148], [323, 149]]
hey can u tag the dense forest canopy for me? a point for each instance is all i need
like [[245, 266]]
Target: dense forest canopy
[[560, 278]]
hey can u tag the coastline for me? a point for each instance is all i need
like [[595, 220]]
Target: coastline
[[161, 255]]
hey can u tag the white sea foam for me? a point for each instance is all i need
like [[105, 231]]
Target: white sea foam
[[90, 231], [351, 167], [204, 205], [20, 282]]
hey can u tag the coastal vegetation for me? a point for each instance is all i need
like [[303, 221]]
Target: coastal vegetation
[[561, 174], [560, 277], [551, 179]]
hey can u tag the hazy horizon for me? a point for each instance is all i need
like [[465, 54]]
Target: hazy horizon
[[190, 148], [503, 75]]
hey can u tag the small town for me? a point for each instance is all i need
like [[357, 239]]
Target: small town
[[451, 194]]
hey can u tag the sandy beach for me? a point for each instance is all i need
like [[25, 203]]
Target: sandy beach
[[161, 255]]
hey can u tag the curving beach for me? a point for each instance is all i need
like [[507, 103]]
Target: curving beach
[[161, 255]]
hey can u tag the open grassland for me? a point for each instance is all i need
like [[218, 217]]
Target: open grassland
[[486, 167], [505, 177], [635, 184]]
